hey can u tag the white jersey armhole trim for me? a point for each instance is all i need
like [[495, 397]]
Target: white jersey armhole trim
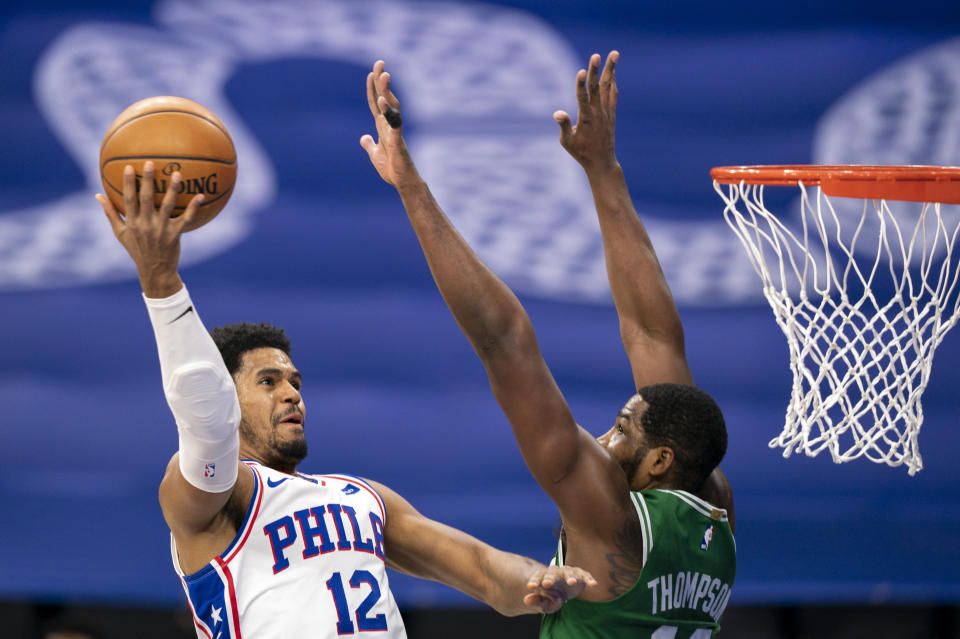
[[646, 527], [175, 556], [558, 557], [701, 506], [249, 517]]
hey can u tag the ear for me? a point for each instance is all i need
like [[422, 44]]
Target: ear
[[663, 461]]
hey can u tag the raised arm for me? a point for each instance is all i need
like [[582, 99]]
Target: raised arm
[[511, 584], [203, 475], [649, 322], [563, 458]]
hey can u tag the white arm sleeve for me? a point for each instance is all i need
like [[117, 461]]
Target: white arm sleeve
[[199, 391]]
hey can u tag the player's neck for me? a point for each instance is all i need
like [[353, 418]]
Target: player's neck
[[276, 462], [665, 483]]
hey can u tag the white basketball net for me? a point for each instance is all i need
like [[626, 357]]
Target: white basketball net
[[863, 304]]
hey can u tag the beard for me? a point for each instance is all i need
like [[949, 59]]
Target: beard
[[631, 466], [294, 450], [277, 452]]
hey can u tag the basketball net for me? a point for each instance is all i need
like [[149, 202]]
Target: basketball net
[[863, 300]]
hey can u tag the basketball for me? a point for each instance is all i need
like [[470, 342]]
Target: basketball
[[177, 135]]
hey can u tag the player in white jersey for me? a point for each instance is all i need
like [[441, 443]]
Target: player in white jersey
[[262, 550], [308, 557]]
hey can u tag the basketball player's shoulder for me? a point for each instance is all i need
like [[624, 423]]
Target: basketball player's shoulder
[[681, 502], [348, 485], [346, 482]]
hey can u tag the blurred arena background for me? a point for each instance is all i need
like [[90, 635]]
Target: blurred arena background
[[313, 241]]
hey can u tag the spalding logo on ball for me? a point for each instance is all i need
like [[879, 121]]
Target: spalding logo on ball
[[177, 135]]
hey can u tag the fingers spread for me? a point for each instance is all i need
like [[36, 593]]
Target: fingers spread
[[552, 586], [584, 576], [543, 601], [593, 77], [111, 212], [383, 90], [189, 213], [146, 188], [366, 141], [583, 103], [582, 99], [566, 127], [372, 95], [534, 582], [170, 197], [129, 192], [380, 98], [608, 81]]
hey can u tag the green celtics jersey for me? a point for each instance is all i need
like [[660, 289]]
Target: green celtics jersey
[[689, 562]]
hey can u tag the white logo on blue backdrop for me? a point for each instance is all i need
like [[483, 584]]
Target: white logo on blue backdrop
[[909, 113], [510, 189]]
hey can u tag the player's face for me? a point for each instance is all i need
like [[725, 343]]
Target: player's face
[[626, 441], [271, 408]]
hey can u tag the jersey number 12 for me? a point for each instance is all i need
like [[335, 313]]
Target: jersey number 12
[[364, 623]]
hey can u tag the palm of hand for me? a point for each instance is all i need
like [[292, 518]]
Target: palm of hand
[[591, 139]]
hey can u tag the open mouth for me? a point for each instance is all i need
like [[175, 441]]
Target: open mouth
[[295, 419]]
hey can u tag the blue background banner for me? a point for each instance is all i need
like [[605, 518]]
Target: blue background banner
[[313, 241]]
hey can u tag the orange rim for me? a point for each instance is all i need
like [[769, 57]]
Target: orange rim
[[909, 183]]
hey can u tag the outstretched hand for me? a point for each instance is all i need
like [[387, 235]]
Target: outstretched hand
[[149, 234], [388, 153], [552, 586], [590, 140]]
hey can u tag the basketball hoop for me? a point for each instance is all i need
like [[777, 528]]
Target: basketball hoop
[[864, 299]]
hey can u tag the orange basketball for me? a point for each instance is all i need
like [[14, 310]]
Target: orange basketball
[[177, 135]]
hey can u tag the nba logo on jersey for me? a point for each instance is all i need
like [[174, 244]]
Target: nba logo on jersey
[[707, 538], [209, 470], [350, 489]]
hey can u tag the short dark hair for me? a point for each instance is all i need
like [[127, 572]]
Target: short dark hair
[[233, 340], [687, 420]]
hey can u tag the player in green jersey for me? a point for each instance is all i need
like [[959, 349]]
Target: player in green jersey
[[644, 507]]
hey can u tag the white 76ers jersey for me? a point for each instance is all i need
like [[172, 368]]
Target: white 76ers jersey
[[307, 562]]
